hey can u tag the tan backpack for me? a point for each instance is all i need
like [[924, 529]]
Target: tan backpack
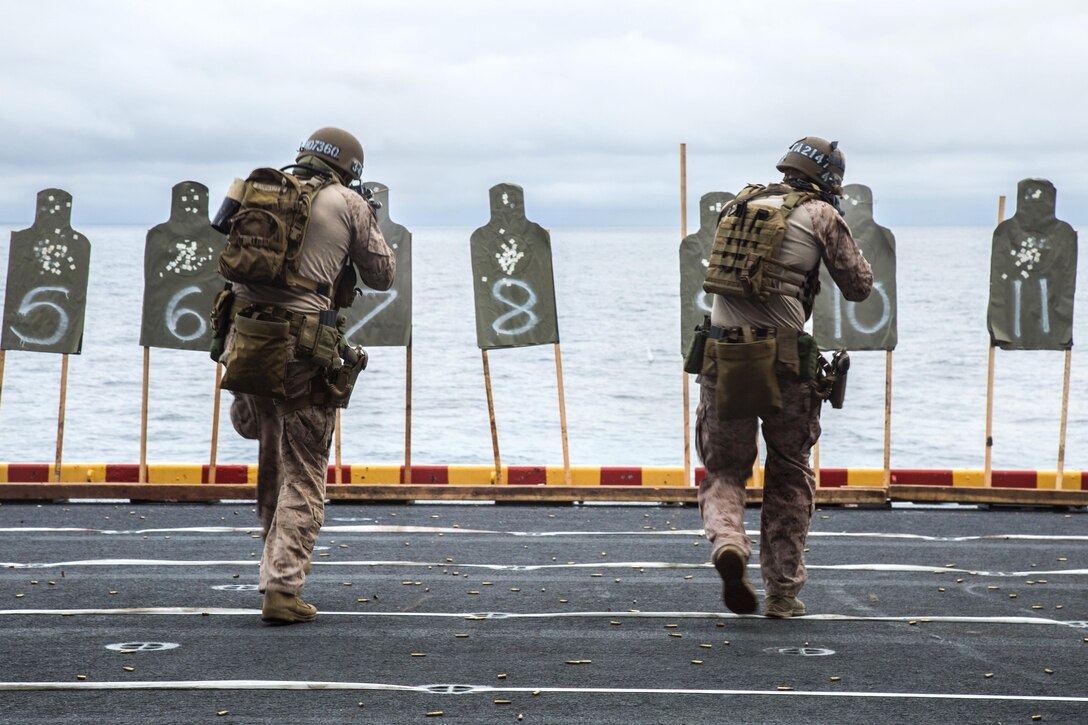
[[265, 238]]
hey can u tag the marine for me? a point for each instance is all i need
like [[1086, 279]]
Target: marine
[[758, 365], [282, 342]]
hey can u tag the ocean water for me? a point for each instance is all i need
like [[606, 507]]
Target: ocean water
[[617, 292]]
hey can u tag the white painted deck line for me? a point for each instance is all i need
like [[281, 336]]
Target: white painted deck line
[[490, 689], [380, 529], [482, 615], [876, 566]]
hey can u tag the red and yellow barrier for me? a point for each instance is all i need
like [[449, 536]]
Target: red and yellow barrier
[[581, 476], [863, 486]]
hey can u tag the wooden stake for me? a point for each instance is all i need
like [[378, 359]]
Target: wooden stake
[[215, 424], [491, 417], [60, 415], [1065, 415], [562, 415], [987, 475], [142, 478], [338, 475], [408, 412], [684, 233], [687, 430], [683, 190], [757, 474], [888, 420]]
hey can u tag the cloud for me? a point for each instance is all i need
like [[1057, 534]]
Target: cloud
[[939, 106]]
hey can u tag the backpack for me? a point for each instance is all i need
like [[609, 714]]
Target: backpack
[[265, 238], [742, 259]]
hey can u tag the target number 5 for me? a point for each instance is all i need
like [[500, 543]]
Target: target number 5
[[31, 302]]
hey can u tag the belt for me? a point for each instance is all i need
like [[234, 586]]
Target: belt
[[282, 314], [739, 334]]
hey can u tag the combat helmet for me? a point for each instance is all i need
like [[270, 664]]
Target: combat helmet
[[818, 159], [337, 148]]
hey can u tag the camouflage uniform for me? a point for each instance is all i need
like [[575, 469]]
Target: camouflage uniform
[[294, 447], [815, 231]]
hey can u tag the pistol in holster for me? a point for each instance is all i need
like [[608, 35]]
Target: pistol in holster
[[342, 372], [341, 380], [693, 359], [831, 378]]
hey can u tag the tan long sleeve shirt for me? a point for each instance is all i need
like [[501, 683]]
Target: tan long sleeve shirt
[[342, 226], [815, 231]]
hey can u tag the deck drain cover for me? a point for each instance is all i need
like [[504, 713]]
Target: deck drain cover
[[802, 651]]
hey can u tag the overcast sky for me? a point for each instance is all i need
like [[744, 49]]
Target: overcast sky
[[940, 105]]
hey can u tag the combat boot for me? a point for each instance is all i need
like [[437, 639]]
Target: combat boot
[[737, 592], [780, 606], [283, 608]]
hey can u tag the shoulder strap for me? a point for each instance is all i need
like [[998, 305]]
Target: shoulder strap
[[795, 198], [749, 191], [296, 235], [806, 284], [740, 200]]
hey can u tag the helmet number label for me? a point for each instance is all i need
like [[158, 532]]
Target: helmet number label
[[809, 152], [321, 147]]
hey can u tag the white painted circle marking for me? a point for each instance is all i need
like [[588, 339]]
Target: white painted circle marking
[[801, 651], [142, 646]]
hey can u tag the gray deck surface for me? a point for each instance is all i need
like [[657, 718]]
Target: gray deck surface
[[918, 615]]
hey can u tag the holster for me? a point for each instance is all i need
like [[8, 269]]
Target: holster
[[831, 378], [693, 358], [334, 388], [342, 383]]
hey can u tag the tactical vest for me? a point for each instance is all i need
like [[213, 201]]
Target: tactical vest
[[266, 234], [743, 257]]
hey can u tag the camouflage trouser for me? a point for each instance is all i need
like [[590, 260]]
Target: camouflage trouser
[[292, 469], [728, 451]]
